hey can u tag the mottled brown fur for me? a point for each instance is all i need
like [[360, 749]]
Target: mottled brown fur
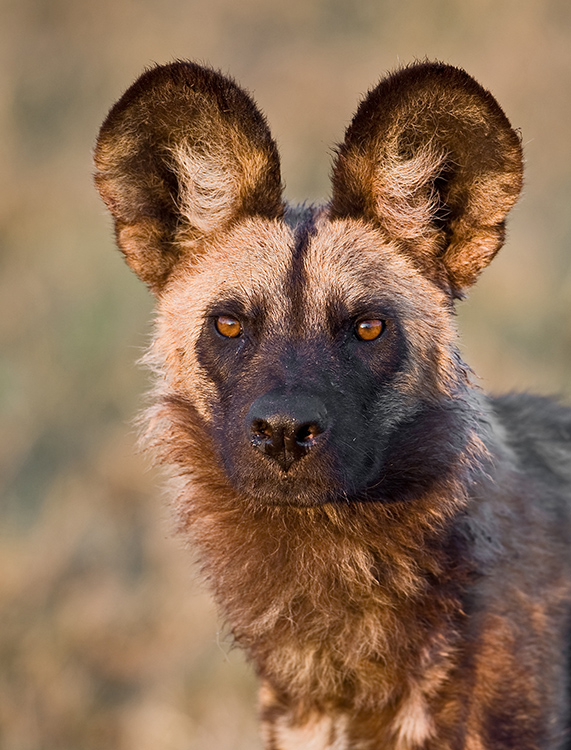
[[403, 579]]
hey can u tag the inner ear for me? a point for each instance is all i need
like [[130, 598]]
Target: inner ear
[[432, 160]]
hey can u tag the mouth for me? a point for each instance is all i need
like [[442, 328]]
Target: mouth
[[296, 485]]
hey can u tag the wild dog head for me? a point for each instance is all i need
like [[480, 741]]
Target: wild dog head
[[313, 347]]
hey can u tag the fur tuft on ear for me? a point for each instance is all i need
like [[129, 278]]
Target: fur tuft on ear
[[431, 158], [183, 154]]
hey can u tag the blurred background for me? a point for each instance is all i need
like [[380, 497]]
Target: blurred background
[[107, 638]]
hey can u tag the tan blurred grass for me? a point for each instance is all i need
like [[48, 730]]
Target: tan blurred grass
[[107, 640]]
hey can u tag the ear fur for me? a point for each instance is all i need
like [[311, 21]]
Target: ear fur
[[183, 154], [431, 158]]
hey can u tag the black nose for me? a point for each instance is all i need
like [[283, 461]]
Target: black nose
[[286, 426]]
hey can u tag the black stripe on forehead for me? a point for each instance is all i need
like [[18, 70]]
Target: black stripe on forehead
[[301, 220]]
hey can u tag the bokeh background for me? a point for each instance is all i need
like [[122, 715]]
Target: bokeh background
[[107, 639]]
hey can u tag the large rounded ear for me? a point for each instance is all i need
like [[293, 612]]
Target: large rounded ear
[[433, 160], [182, 155]]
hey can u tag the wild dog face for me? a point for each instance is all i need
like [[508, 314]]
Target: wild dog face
[[315, 346]]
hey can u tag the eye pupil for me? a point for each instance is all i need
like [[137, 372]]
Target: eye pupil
[[369, 330], [228, 327]]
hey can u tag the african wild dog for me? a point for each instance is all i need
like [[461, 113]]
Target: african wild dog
[[389, 545]]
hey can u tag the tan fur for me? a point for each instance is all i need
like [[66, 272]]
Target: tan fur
[[413, 723], [221, 269], [320, 733], [348, 254], [209, 188], [403, 188]]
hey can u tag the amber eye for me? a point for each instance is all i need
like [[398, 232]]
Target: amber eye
[[227, 326], [369, 330]]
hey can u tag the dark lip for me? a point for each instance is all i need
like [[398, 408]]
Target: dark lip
[[291, 502], [287, 491]]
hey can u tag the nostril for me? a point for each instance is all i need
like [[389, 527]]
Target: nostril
[[262, 429], [306, 434]]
